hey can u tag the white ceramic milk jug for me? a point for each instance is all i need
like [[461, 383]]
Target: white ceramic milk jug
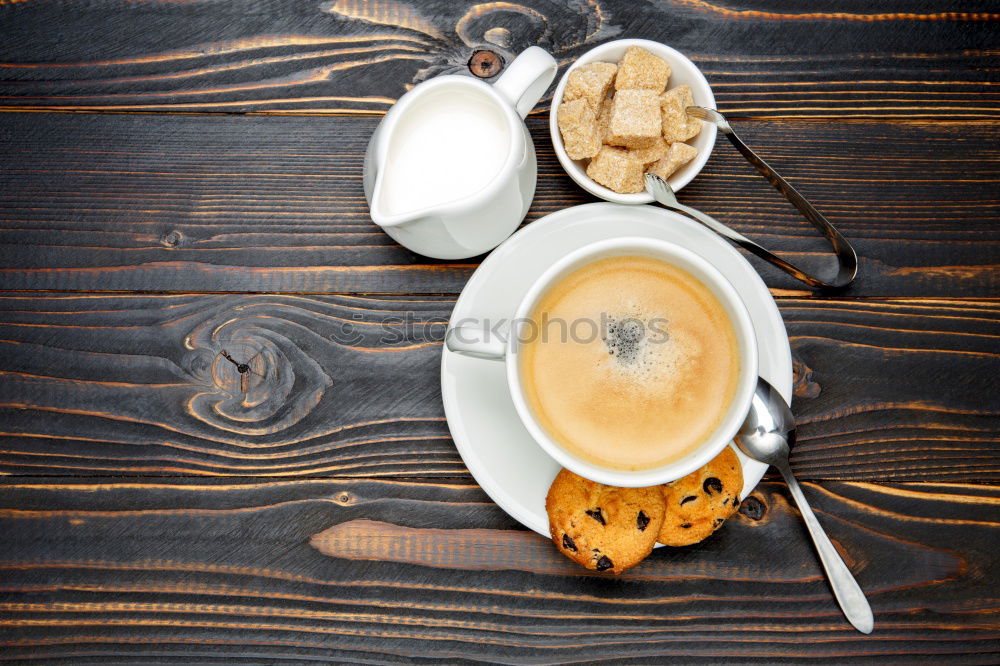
[[450, 171]]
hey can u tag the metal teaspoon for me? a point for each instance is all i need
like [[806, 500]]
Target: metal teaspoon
[[847, 258], [766, 435]]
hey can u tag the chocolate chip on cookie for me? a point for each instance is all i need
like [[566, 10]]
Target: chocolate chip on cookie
[[699, 503], [603, 528]]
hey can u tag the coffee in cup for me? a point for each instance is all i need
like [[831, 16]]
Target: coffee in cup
[[629, 362]]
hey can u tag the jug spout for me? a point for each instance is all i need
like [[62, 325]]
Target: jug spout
[[389, 221], [374, 177], [388, 218]]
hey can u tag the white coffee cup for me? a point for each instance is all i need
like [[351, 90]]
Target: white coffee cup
[[479, 341]]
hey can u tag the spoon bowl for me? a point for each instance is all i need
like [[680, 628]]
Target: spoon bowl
[[768, 432]]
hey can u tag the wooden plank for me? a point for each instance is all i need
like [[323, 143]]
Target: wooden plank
[[115, 202], [764, 59], [349, 386], [188, 571]]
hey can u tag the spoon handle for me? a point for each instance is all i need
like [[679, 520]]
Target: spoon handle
[[849, 595], [664, 195], [847, 258], [749, 245]]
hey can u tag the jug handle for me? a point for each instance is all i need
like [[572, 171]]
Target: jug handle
[[527, 78]]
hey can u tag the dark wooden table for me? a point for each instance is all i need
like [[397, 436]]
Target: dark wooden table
[[178, 179]]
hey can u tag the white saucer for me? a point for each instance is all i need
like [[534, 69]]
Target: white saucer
[[502, 456]]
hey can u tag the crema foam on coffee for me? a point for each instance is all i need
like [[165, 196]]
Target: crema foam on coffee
[[629, 362]]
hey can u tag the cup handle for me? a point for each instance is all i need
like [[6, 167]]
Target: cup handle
[[475, 341], [527, 78]]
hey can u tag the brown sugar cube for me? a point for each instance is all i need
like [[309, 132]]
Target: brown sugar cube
[[603, 119], [677, 124], [677, 156], [578, 127], [615, 169], [639, 68], [635, 119], [590, 82], [650, 154]]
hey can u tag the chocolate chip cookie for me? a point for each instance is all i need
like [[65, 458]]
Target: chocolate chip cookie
[[600, 527], [699, 503]]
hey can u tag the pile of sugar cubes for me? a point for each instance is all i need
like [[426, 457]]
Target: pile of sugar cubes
[[637, 129]]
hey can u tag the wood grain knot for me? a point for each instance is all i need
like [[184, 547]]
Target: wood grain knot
[[490, 33], [485, 64], [803, 385], [262, 380], [171, 239], [753, 508]]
